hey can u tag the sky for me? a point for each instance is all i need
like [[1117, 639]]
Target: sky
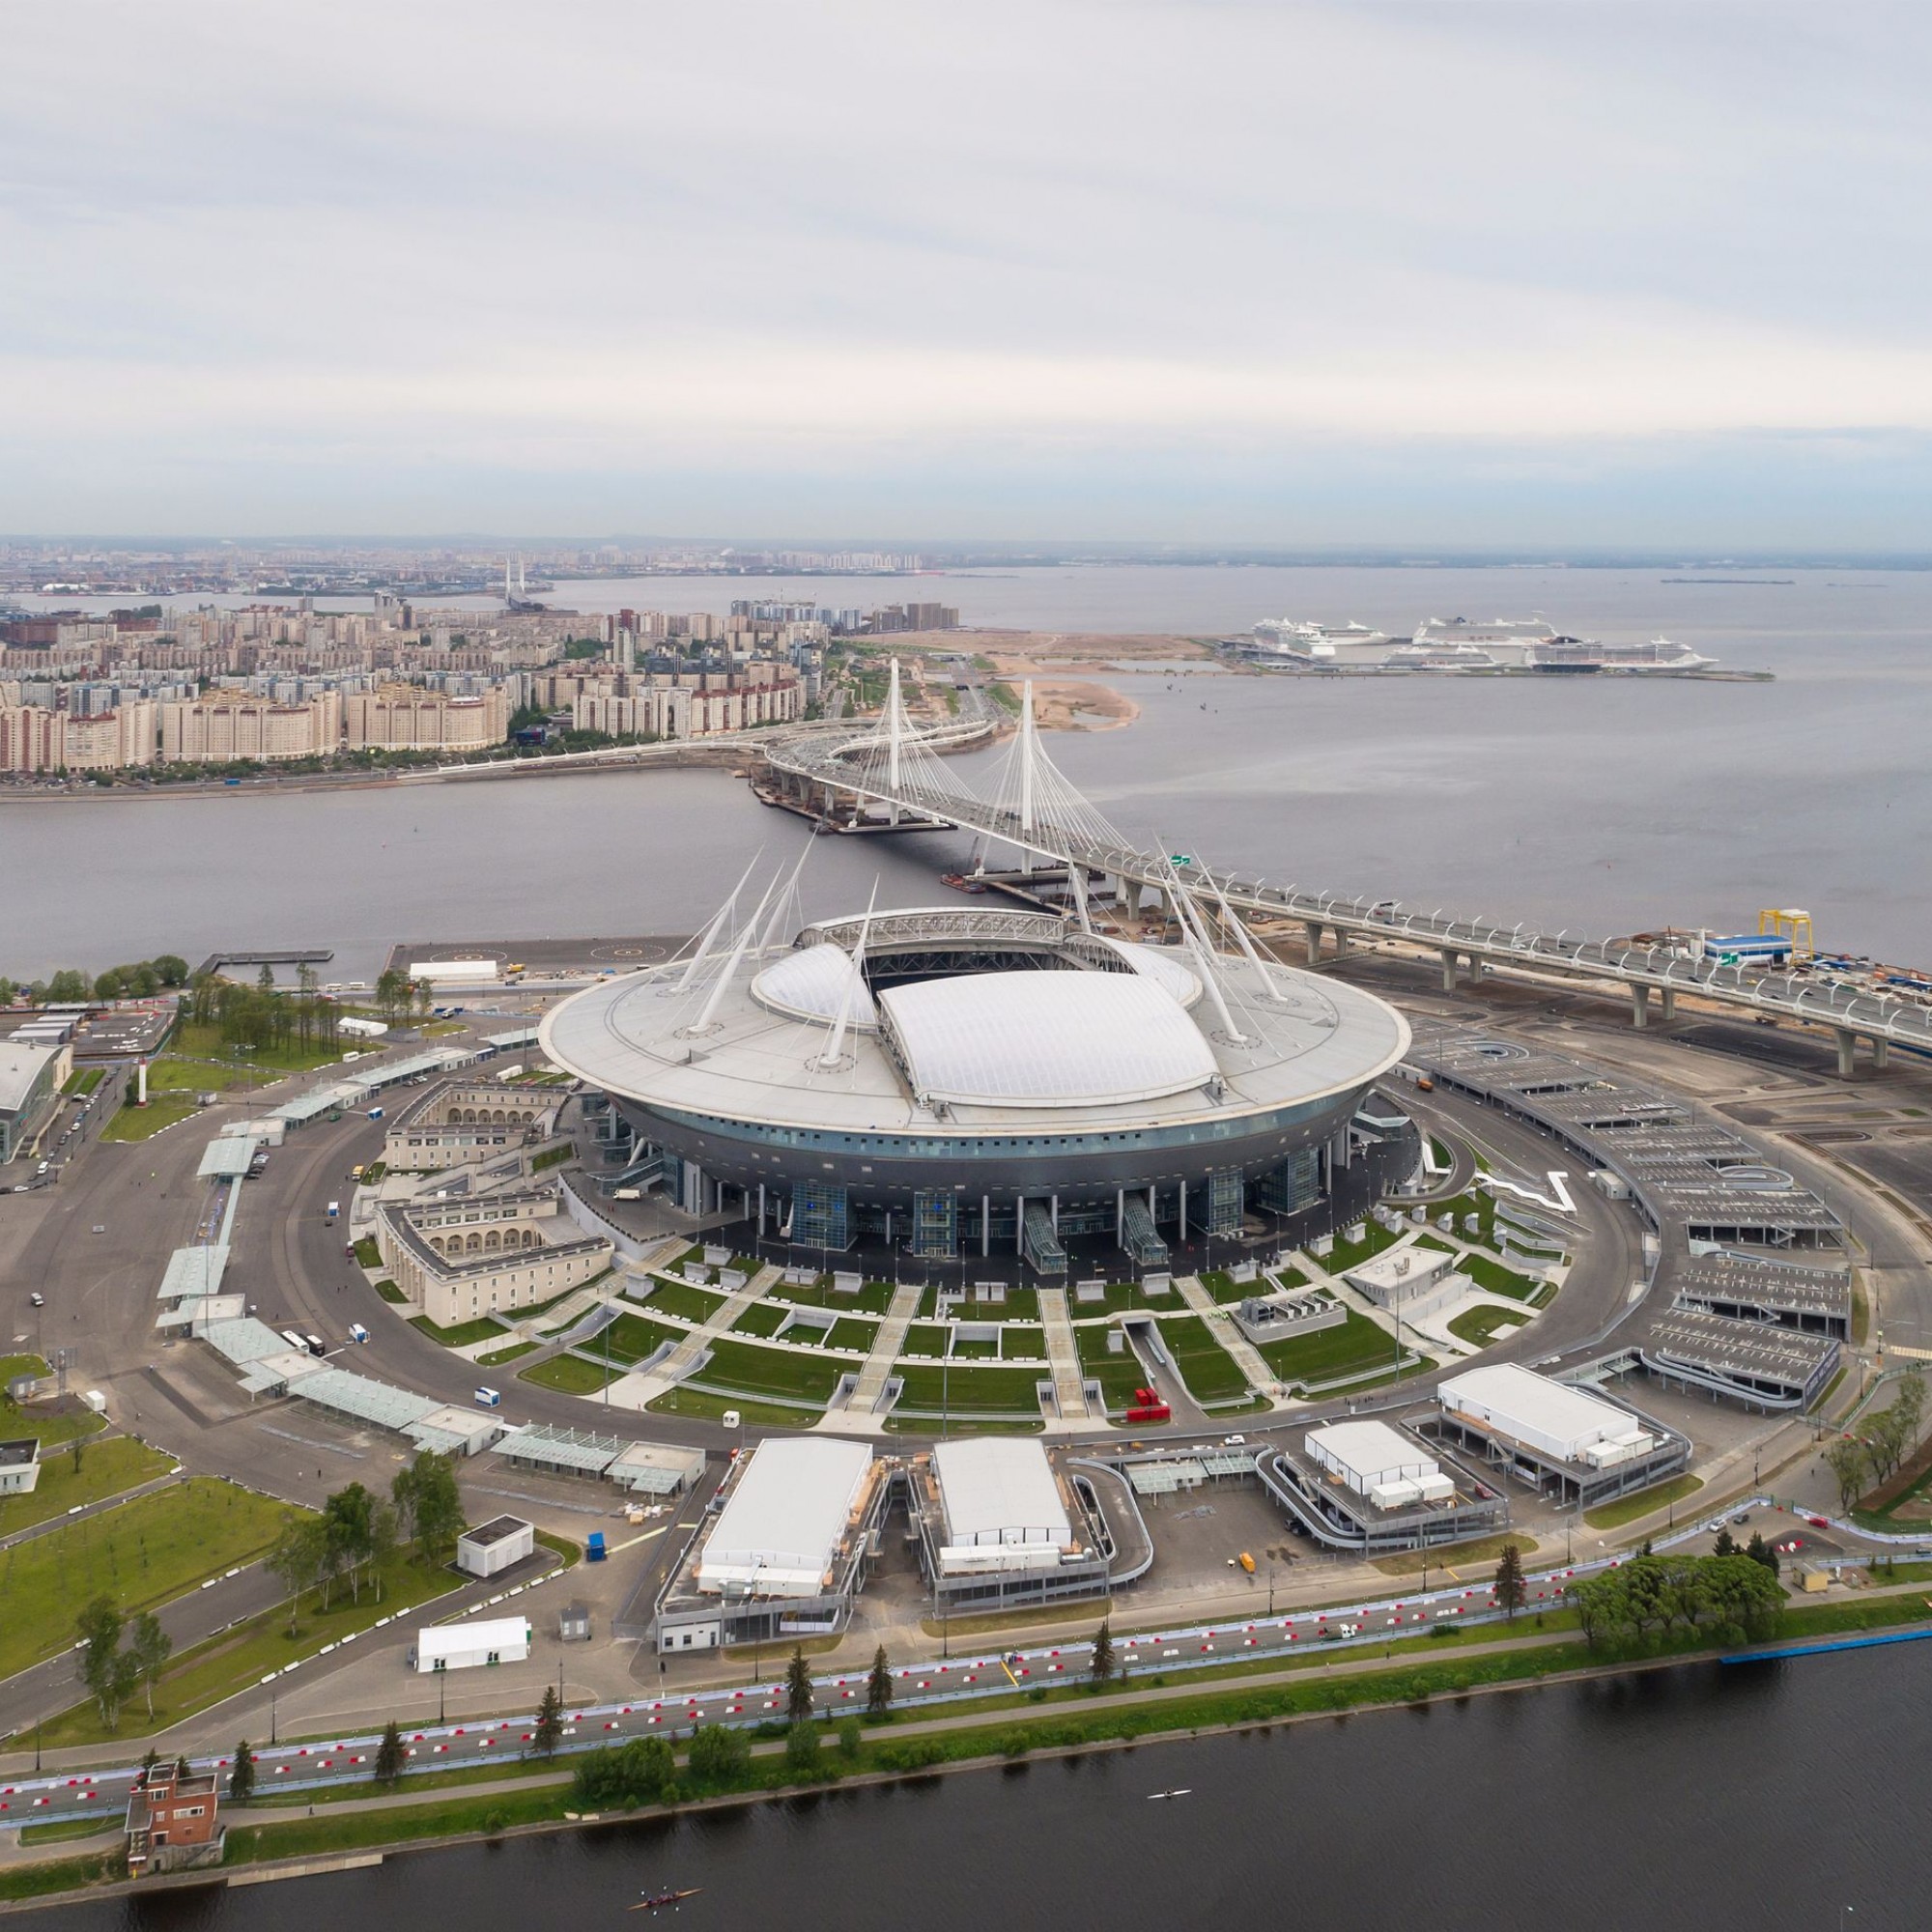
[[1560, 273]]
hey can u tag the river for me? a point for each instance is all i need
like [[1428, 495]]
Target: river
[[1603, 806], [1756, 1797]]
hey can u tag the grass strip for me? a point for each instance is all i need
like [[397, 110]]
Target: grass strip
[[105, 1469], [572, 1375], [1627, 1509], [460, 1334]]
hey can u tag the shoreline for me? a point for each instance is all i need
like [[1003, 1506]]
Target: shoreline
[[1384, 1691]]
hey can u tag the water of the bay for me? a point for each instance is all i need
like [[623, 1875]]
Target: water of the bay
[[1763, 1798], [1601, 806]]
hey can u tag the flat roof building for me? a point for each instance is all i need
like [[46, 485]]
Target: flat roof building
[[998, 1525], [476, 1641], [788, 1552], [1555, 1436], [19, 1465], [1370, 1487], [495, 1546], [29, 1079]]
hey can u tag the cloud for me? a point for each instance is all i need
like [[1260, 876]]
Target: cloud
[[265, 249]]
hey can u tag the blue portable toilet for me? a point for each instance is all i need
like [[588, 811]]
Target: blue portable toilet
[[595, 1552]]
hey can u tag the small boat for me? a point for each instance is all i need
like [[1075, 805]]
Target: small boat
[[1183, 1791], [657, 1901], [961, 883]]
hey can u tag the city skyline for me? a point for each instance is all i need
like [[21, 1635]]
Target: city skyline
[[1304, 277]]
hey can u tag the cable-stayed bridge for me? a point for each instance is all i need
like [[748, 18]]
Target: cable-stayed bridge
[[891, 771]]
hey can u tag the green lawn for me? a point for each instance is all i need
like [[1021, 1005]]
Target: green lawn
[[925, 1338], [686, 1401], [1210, 1373], [680, 1299], [1434, 1243], [244, 1656], [763, 1318], [496, 1357], [389, 1291], [484, 1328], [967, 1391], [875, 1297], [205, 1042], [1289, 1277], [1023, 1342], [741, 1367], [1225, 1289], [106, 1468], [1480, 1326], [367, 1254], [140, 1553], [1345, 1254], [1118, 1376], [1499, 1280], [83, 1081], [1627, 1509], [851, 1332], [571, 1373], [631, 1337], [167, 1075], [1357, 1346], [140, 1123], [1022, 1304], [51, 1427]]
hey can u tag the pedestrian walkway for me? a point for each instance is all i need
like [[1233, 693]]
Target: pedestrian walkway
[[886, 1347], [1069, 1382], [1221, 1324], [639, 1389]]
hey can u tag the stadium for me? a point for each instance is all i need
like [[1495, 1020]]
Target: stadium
[[983, 1082]]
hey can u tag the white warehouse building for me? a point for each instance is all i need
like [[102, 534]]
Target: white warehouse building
[[1555, 1436], [1375, 1461], [998, 1525], [481, 1641]]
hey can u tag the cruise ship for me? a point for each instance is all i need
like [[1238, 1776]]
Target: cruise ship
[[1449, 644], [1317, 643]]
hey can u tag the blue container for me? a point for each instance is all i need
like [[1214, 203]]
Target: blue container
[[596, 1552]]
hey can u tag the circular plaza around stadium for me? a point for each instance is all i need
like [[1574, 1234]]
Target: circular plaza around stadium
[[982, 1082]]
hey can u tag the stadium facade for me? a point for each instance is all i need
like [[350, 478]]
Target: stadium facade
[[972, 1081]]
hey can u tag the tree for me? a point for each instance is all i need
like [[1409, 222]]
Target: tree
[[392, 992], [1846, 1460], [428, 1501], [549, 1732], [68, 988], [98, 1628], [1102, 1666], [879, 1684], [150, 1646], [851, 1739], [346, 1520], [720, 1757], [637, 1772], [1760, 1552], [9, 992], [241, 1774], [170, 969], [1726, 1544], [392, 1755], [798, 1689], [296, 1560], [107, 985], [801, 1748], [1640, 1603], [1511, 1588], [382, 1539]]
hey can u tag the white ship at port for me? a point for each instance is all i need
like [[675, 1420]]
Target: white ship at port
[[1317, 643], [1464, 644]]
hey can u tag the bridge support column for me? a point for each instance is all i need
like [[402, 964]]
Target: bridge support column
[[1640, 1006], [1448, 969], [985, 1226], [1667, 1004], [1313, 928], [1848, 1043], [1880, 1055], [1184, 1210]]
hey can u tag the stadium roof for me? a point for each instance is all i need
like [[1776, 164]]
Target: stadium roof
[[1055, 1039], [813, 983], [780, 1529], [1000, 1489]]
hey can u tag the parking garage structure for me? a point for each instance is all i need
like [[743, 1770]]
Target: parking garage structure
[[1570, 1444], [999, 1526], [786, 1552], [1370, 1489]]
